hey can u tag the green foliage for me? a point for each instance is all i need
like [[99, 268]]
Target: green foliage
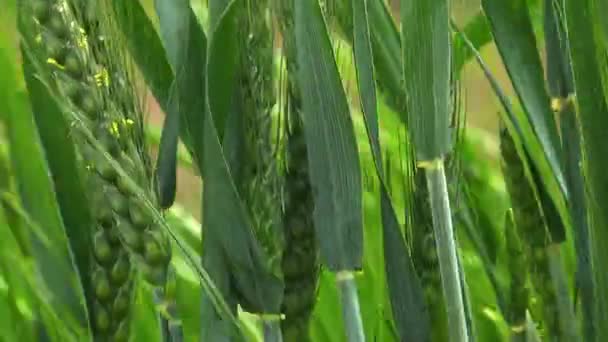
[[315, 127]]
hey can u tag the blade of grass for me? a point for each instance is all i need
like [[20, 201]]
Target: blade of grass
[[333, 159], [35, 187], [427, 72], [185, 44], [514, 37], [61, 156], [184, 160], [174, 24], [214, 327], [329, 135], [560, 84], [592, 113], [478, 30], [405, 290]]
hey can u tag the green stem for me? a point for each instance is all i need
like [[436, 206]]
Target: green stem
[[446, 251], [350, 306], [532, 334], [526, 332], [519, 335], [272, 330]]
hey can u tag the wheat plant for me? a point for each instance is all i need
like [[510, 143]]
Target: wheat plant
[[342, 191]]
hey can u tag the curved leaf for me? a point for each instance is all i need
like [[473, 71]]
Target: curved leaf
[[186, 45]]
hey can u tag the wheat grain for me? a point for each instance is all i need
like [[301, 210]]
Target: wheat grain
[[300, 262], [530, 224], [98, 88]]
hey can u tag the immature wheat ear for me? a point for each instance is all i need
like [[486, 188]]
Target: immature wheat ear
[[95, 84]]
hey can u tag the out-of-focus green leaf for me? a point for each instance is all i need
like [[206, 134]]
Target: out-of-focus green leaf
[[514, 36], [332, 150], [479, 33], [587, 65], [61, 156], [36, 191], [145, 326]]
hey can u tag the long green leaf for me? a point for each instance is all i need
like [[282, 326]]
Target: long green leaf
[[514, 36], [332, 149], [386, 46], [61, 156], [37, 195], [333, 158], [593, 113], [186, 45], [560, 84], [404, 286], [426, 68], [427, 74]]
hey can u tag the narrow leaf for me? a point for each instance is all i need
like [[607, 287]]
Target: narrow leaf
[[560, 84], [185, 44], [332, 147], [426, 71], [514, 36], [145, 48], [36, 191], [405, 290], [593, 113], [479, 33], [61, 156]]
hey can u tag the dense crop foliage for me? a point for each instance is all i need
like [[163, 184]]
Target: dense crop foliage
[[344, 193]]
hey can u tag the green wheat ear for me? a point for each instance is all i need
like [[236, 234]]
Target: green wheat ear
[[259, 181], [300, 263], [518, 270], [530, 223], [424, 254], [94, 83]]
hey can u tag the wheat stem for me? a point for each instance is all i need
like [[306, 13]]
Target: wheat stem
[[446, 251], [351, 312]]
